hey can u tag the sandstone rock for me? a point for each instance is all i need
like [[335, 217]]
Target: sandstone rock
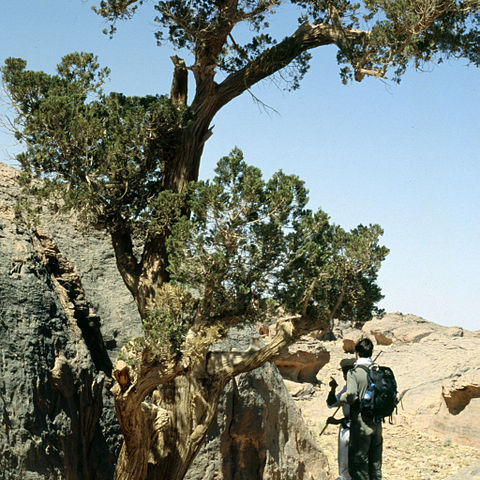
[[455, 332], [351, 339], [397, 327], [408, 334], [381, 338], [302, 361], [294, 388], [438, 385], [299, 390], [460, 391], [301, 365]]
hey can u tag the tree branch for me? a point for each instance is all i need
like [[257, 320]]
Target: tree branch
[[179, 90], [230, 364], [307, 37], [132, 387], [126, 262]]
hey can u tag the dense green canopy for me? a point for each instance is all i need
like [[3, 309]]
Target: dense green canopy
[[371, 35], [104, 154]]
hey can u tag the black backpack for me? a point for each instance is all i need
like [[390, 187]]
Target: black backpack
[[380, 399]]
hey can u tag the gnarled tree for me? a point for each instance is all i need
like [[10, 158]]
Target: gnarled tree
[[200, 258]]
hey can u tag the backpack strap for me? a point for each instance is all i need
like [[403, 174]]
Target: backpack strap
[[366, 369]]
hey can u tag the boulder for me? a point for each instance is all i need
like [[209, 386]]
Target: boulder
[[350, 339], [259, 432], [302, 365], [459, 392]]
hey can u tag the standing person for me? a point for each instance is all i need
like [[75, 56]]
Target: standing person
[[333, 400], [365, 447]]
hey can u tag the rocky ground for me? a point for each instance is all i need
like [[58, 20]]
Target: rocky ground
[[436, 432], [408, 453]]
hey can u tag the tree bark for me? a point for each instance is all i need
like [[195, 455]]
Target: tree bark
[[192, 403], [161, 442], [165, 409], [126, 262]]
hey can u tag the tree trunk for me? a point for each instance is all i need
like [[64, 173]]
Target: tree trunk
[[185, 164], [132, 463], [164, 435]]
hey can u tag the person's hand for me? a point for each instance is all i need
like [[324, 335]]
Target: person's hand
[[333, 421], [333, 383]]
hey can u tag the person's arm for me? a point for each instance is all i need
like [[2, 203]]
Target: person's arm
[[332, 400], [335, 421], [350, 394]]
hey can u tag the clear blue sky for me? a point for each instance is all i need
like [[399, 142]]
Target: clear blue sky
[[406, 157]]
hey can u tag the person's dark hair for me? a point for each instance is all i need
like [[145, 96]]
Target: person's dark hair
[[364, 348]]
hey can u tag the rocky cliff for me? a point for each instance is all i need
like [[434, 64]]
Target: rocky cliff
[[64, 314], [52, 393]]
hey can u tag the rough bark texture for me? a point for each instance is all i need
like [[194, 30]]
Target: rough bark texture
[[64, 313]]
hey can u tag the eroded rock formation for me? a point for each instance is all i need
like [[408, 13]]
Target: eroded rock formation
[[459, 393], [51, 393], [437, 370], [258, 433]]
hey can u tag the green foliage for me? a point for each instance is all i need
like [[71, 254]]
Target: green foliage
[[164, 328], [250, 244], [405, 32], [247, 245], [101, 155], [397, 32], [238, 246], [327, 265]]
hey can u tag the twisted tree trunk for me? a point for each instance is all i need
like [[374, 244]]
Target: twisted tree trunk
[[165, 409], [164, 432]]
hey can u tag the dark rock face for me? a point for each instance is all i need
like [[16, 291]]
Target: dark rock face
[[51, 394], [64, 314], [94, 261], [258, 434]]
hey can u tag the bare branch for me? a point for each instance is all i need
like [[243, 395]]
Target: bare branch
[[132, 387], [289, 329]]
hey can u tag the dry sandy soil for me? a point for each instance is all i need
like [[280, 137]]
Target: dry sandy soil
[[408, 454]]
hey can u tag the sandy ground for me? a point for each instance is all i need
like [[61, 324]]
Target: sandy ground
[[408, 454]]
